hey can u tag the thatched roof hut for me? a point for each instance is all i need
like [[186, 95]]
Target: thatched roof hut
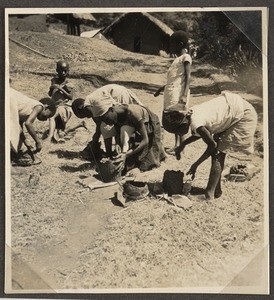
[[84, 17], [139, 32]]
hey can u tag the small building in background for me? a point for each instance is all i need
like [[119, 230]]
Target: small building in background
[[96, 33], [139, 32], [75, 20]]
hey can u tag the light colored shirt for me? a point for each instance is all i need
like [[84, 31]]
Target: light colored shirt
[[218, 114], [117, 93], [25, 104], [176, 80]]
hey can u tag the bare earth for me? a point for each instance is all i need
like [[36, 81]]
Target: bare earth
[[70, 238]]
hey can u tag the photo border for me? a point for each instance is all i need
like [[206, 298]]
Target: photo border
[[148, 9]]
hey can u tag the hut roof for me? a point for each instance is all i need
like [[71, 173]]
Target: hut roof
[[87, 17], [91, 33], [154, 20]]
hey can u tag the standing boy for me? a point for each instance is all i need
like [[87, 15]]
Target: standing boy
[[178, 77]]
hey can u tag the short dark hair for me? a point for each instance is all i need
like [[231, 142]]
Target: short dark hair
[[174, 121], [77, 106], [62, 64], [50, 104], [180, 36]]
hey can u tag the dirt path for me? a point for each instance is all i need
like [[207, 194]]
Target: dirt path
[[82, 240]]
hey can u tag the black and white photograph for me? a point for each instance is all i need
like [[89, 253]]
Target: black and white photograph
[[136, 150]]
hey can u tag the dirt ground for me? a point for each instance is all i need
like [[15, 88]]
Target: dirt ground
[[72, 238]]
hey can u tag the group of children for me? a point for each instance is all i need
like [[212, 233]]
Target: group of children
[[25, 110], [226, 123]]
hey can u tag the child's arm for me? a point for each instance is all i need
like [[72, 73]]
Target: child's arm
[[29, 125], [157, 93], [117, 138], [211, 149], [194, 166], [207, 138], [52, 87], [121, 158], [97, 133], [187, 67], [94, 143], [67, 92], [52, 127], [189, 140]]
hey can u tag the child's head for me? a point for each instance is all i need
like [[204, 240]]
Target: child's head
[[178, 41], [62, 68], [111, 116], [79, 108], [48, 111], [103, 110], [176, 119]]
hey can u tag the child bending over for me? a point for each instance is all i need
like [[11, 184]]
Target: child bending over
[[24, 111], [146, 152], [82, 108], [226, 124]]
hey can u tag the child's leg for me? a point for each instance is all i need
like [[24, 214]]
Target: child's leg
[[108, 132], [177, 140], [21, 140], [52, 127], [125, 134], [73, 128], [108, 146], [214, 182], [218, 190]]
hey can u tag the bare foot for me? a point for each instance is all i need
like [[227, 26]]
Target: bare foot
[[170, 151], [218, 194], [209, 195]]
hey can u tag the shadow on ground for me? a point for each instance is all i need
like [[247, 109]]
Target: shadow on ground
[[214, 89], [69, 154], [80, 168], [205, 73]]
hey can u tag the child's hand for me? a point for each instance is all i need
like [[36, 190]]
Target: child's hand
[[192, 171], [120, 160], [157, 93], [178, 151]]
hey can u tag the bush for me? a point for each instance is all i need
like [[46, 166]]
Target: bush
[[224, 44]]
